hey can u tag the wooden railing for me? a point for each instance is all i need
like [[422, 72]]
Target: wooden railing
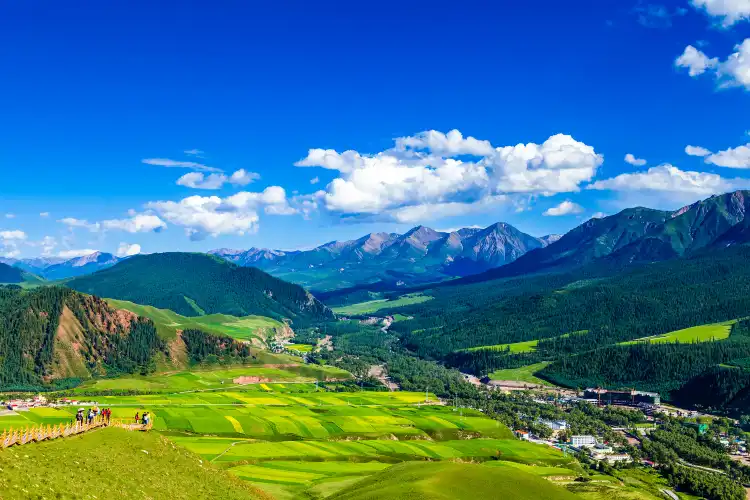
[[11, 437]]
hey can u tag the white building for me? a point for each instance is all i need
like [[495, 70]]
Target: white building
[[584, 441], [555, 425]]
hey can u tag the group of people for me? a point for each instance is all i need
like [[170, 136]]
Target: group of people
[[143, 419], [93, 412]]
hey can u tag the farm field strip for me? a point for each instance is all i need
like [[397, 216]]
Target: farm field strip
[[522, 374], [330, 452], [700, 333], [516, 347], [373, 306], [288, 371], [283, 420]]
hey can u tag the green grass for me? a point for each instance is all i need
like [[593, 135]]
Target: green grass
[[233, 450], [300, 347], [168, 322], [454, 481], [517, 347], [114, 463], [522, 374], [373, 306], [701, 333], [292, 371]]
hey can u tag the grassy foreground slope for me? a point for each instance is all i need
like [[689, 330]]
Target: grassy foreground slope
[[193, 284], [114, 463], [168, 322], [454, 481]]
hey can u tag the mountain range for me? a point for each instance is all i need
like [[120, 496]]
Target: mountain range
[[420, 255], [56, 268], [640, 235]]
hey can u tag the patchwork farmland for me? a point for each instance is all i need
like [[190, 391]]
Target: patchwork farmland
[[295, 438]]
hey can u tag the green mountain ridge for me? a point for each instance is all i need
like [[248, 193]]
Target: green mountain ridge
[[15, 276], [192, 284], [635, 236]]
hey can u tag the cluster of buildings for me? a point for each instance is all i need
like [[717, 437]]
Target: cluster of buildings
[[24, 404], [625, 398], [596, 450]]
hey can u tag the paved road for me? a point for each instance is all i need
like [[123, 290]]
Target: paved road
[[671, 494]]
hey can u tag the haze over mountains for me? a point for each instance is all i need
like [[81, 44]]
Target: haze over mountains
[[420, 255], [55, 268]]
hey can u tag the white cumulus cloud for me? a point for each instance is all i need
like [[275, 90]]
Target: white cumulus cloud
[[127, 250], [15, 235], [734, 71], [670, 179], [636, 162], [567, 207], [728, 12], [433, 173], [137, 223], [695, 61], [72, 222], [242, 177], [738, 157], [211, 215], [198, 180], [697, 151]]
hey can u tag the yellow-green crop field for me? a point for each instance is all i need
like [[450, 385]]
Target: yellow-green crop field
[[701, 333], [215, 379], [300, 439]]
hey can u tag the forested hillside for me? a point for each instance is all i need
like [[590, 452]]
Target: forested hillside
[[37, 349], [643, 301], [194, 284]]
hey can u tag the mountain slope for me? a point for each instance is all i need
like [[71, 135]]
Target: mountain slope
[[586, 243], [10, 274], [117, 464], [420, 255], [638, 235], [79, 266], [15, 276], [194, 284], [48, 334]]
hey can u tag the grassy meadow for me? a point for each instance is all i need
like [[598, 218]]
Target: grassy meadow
[[203, 379], [373, 306], [522, 374], [701, 333], [115, 463], [168, 322]]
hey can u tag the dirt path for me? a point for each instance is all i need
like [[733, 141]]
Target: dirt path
[[379, 372]]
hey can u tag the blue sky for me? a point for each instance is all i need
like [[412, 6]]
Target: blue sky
[[117, 119]]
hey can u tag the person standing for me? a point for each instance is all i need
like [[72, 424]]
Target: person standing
[[137, 417]]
